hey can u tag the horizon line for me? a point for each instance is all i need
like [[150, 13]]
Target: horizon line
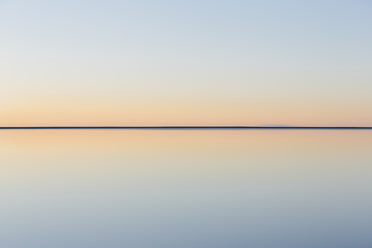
[[187, 127]]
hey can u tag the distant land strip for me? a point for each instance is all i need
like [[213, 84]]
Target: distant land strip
[[191, 127]]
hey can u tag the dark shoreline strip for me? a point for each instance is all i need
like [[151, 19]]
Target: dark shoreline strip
[[186, 127]]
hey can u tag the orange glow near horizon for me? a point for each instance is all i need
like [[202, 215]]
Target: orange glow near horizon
[[54, 112]]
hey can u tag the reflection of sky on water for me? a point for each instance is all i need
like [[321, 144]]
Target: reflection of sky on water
[[148, 188]]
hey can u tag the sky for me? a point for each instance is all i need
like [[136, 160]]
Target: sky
[[195, 62]]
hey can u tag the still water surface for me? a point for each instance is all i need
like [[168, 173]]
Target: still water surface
[[185, 188]]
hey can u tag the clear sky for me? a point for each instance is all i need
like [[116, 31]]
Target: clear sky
[[195, 62]]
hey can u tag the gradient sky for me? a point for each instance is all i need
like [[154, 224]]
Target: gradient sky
[[195, 62]]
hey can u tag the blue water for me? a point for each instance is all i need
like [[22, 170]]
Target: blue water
[[185, 188]]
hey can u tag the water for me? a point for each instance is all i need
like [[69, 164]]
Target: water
[[185, 188]]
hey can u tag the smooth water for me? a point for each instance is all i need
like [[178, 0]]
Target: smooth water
[[185, 188]]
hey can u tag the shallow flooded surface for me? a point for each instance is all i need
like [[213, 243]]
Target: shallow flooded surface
[[185, 188]]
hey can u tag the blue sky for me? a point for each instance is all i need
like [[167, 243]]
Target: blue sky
[[186, 62]]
